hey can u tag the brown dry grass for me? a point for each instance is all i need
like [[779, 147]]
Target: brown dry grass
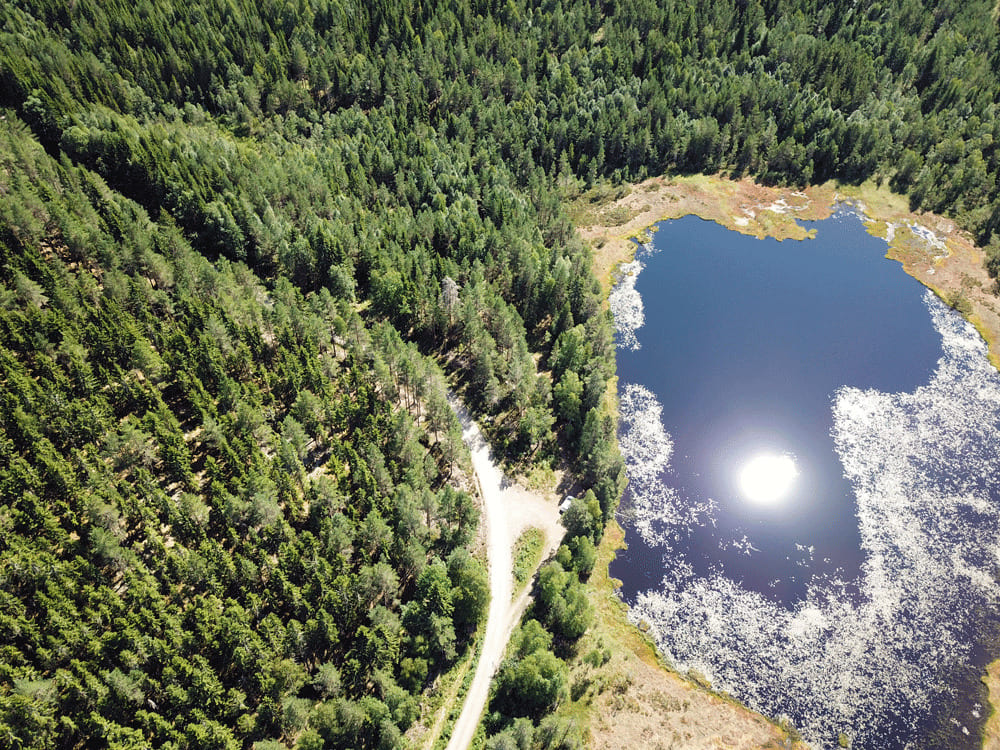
[[635, 701], [991, 733], [957, 275], [609, 217]]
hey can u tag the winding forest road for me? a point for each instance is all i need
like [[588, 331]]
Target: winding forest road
[[507, 511]]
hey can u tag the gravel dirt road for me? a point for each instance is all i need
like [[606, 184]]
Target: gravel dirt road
[[507, 511]]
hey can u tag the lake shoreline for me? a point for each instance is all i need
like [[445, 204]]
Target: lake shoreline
[[930, 248], [648, 697]]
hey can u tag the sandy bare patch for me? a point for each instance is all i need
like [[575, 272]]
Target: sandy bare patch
[[527, 509]]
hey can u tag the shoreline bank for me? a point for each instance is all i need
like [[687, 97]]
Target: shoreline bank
[[930, 248]]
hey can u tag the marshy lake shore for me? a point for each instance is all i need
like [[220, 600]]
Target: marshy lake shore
[[930, 248]]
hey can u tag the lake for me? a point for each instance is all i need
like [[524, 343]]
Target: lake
[[812, 515]]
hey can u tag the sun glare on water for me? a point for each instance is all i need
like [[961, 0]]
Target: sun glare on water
[[766, 479]]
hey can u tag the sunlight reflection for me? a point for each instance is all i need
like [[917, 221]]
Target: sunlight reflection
[[766, 479]]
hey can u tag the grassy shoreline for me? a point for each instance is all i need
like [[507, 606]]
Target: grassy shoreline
[[628, 693], [951, 265], [938, 254]]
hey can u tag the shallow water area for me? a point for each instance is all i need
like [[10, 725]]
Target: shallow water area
[[811, 519]]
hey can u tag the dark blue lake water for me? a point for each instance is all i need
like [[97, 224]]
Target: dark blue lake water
[[745, 343], [824, 352]]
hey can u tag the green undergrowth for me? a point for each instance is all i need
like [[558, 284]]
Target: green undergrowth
[[527, 556], [465, 671]]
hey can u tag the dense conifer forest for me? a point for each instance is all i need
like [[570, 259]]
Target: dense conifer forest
[[245, 247]]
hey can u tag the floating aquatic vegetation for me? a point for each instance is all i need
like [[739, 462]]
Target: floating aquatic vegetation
[[658, 512], [626, 302], [626, 305], [870, 657]]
